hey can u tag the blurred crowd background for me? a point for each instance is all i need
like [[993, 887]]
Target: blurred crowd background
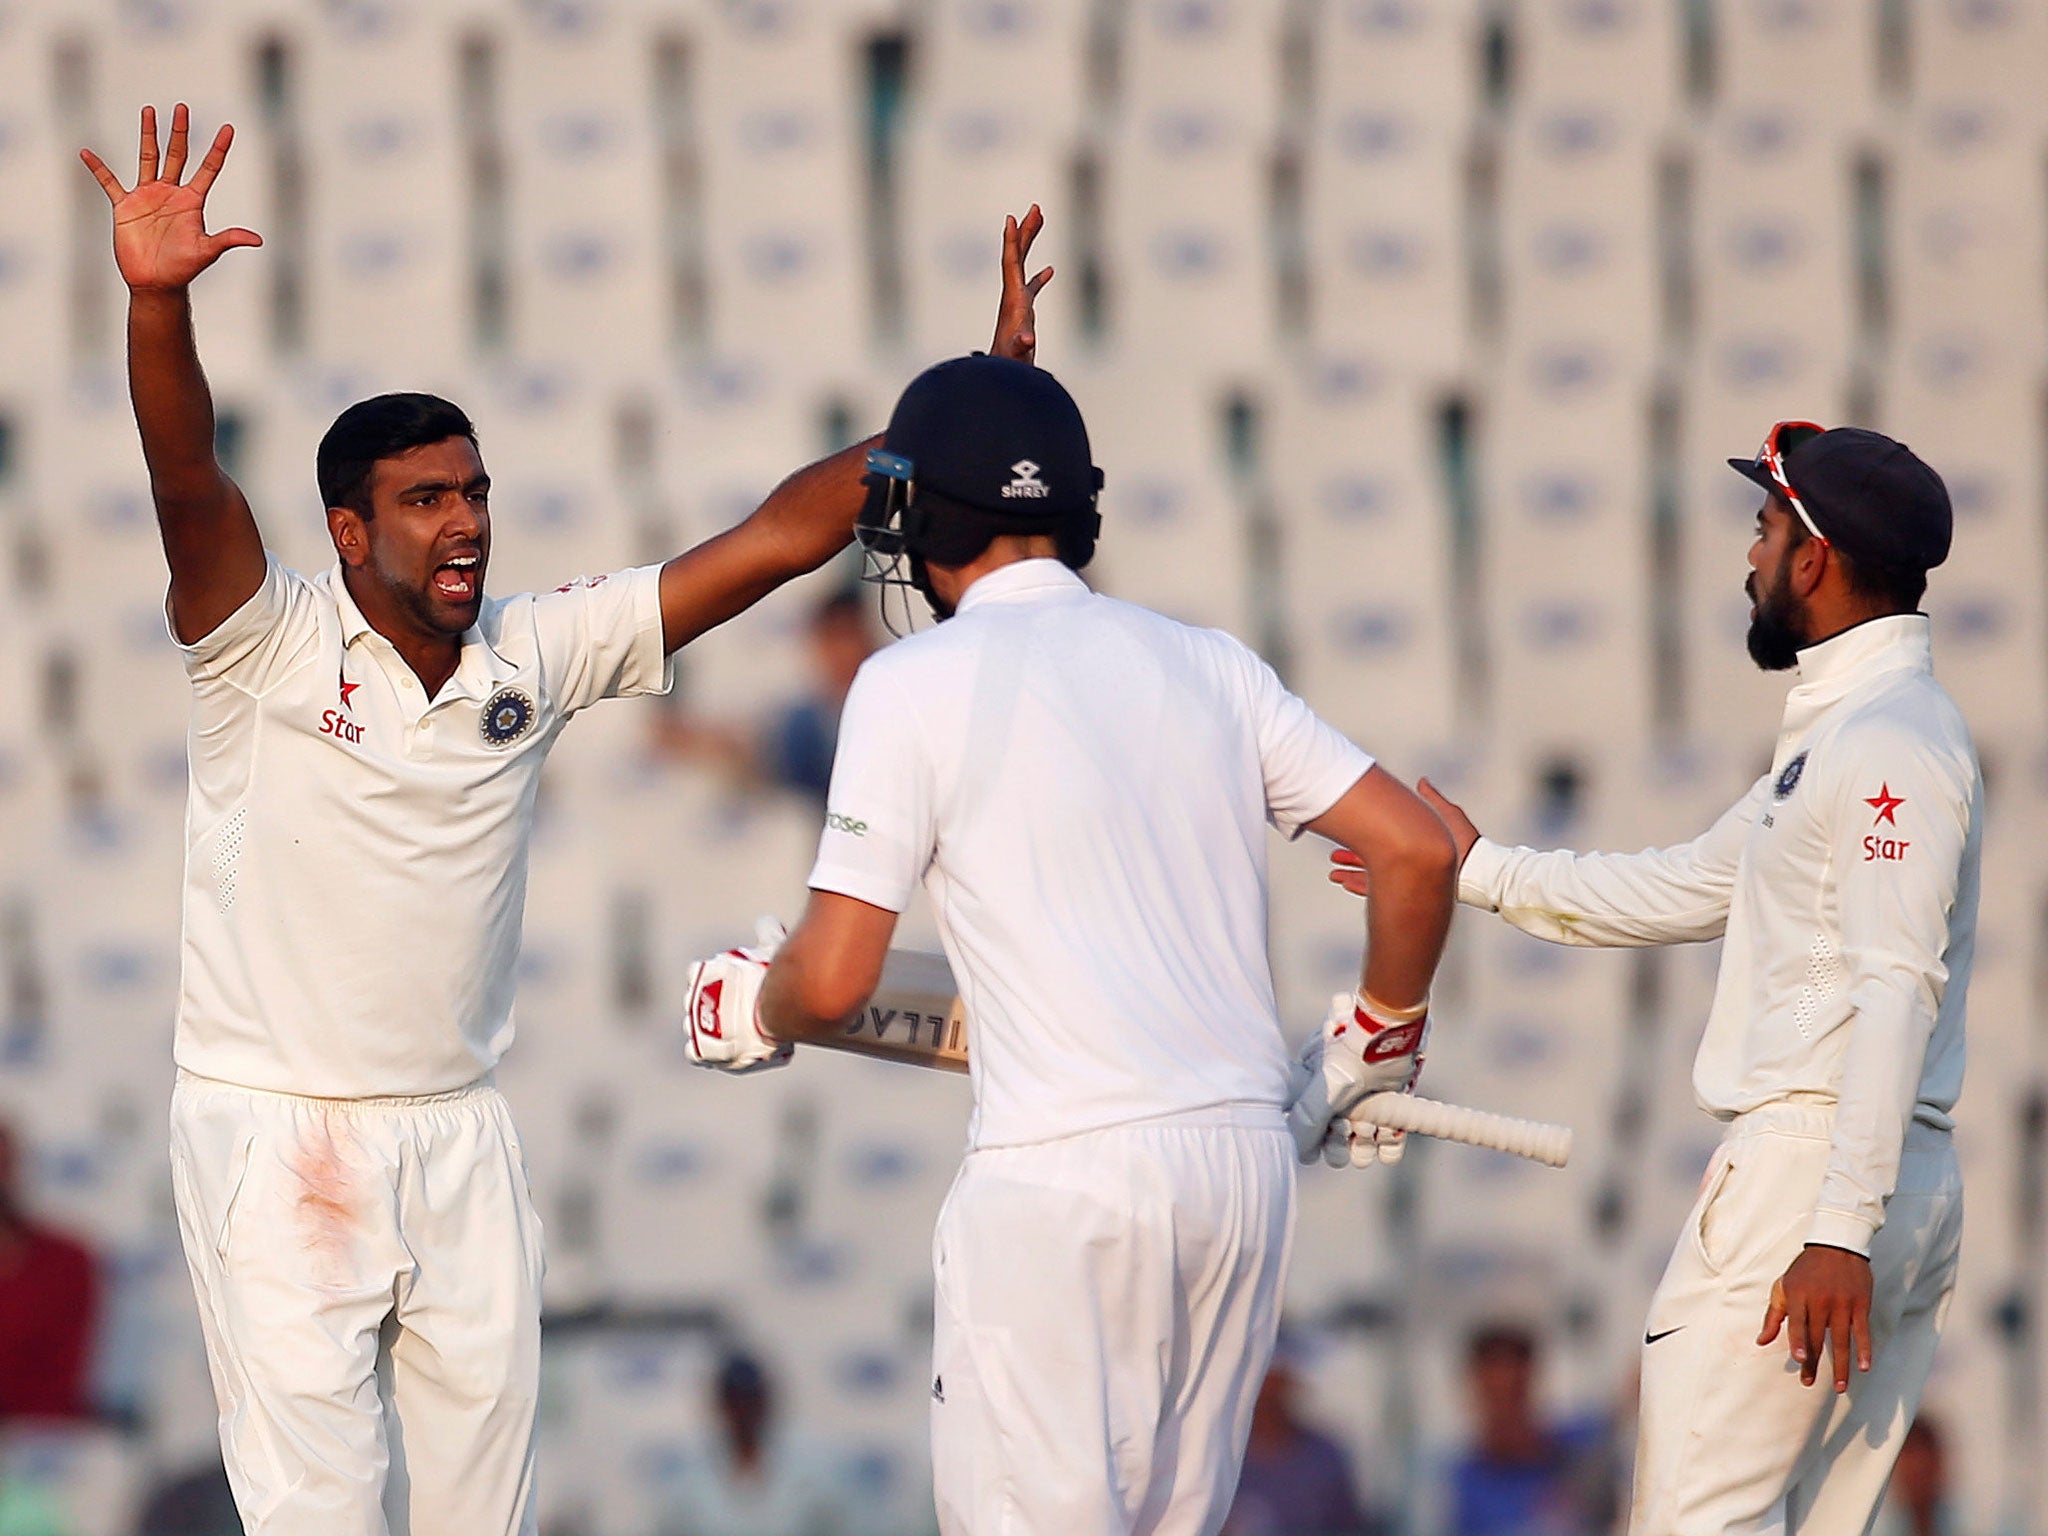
[[1412, 335]]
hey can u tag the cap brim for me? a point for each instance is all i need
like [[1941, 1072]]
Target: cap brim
[[1756, 474]]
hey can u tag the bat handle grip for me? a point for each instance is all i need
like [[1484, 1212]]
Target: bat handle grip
[[1533, 1139]]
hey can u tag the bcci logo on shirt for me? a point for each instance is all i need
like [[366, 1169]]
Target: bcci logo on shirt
[[507, 717], [1789, 779]]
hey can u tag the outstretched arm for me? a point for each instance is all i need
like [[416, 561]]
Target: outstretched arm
[[808, 518], [1670, 895], [160, 244]]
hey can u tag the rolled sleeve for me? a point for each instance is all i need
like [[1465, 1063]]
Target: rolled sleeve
[[880, 831], [601, 638]]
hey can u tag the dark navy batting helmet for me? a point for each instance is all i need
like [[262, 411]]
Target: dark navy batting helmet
[[978, 447]]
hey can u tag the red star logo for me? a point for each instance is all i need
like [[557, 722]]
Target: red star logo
[[346, 690], [1885, 803]]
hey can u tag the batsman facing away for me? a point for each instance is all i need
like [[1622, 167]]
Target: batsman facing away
[[1083, 787], [349, 1186]]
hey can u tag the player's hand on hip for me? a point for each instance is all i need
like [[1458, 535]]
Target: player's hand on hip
[[721, 1006], [160, 238], [1353, 1055], [1017, 316], [1823, 1297]]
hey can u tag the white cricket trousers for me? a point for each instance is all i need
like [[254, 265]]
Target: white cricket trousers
[[1106, 1309], [368, 1273], [1728, 1441]]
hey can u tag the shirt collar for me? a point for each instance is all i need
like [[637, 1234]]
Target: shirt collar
[[1021, 579], [478, 670], [1863, 650]]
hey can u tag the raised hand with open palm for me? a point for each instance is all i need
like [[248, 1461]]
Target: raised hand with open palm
[[160, 238]]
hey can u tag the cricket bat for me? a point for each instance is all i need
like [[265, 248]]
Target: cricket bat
[[917, 1018]]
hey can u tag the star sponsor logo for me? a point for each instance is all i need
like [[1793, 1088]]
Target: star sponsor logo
[[1878, 849], [347, 694]]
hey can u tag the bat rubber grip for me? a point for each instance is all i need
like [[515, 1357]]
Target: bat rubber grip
[[1533, 1139]]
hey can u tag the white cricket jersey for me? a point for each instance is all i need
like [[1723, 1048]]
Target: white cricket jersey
[[1845, 882], [355, 864], [1083, 786]]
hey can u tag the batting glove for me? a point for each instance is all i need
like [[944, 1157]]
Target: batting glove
[[1351, 1057], [721, 1006]]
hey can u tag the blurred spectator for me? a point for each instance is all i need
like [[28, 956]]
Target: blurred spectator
[[48, 1306], [191, 1501], [1523, 1477], [1296, 1480], [754, 1479], [1917, 1502], [792, 749]]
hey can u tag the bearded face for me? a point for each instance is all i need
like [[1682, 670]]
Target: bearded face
[[1777, 623]]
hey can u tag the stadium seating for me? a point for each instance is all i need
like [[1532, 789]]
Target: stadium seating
[[588, 267]]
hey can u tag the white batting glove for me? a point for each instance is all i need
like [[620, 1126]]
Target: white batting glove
[[1352, 1056], [721, 1006]]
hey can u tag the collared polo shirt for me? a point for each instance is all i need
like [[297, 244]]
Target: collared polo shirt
[[355, 871], [1083, 787]]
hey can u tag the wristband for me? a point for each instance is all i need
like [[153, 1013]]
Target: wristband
[[1373, 1011]]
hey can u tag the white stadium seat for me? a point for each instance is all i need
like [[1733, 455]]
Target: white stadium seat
[[1361, 495], [1565, 541], [35, 172], [588, 269], [776, 128], [387, 266], [1184, 250], [1994, 51], [1177, 52], [1775, 242], [1578, 226], [1634, 46], [1043, 41], [1383, 208], [1173, 518], [1967, 250], [1420, 54], [1821, 53]]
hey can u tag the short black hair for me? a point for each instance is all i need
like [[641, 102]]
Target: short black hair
[[378, 428]]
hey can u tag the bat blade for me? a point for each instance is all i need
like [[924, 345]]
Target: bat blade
[[914, 1017]]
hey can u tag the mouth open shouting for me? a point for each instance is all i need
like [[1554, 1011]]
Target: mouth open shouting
[[458, 581]]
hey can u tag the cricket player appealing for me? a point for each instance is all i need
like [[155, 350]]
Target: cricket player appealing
[[366, 746], [1845, 887], [1082, 787]]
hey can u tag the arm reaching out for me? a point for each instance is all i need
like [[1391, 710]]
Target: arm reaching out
[[808, 518], [1659, 896], [160, 244]]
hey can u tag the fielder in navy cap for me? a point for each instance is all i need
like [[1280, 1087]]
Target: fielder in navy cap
[[1853, 524]]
